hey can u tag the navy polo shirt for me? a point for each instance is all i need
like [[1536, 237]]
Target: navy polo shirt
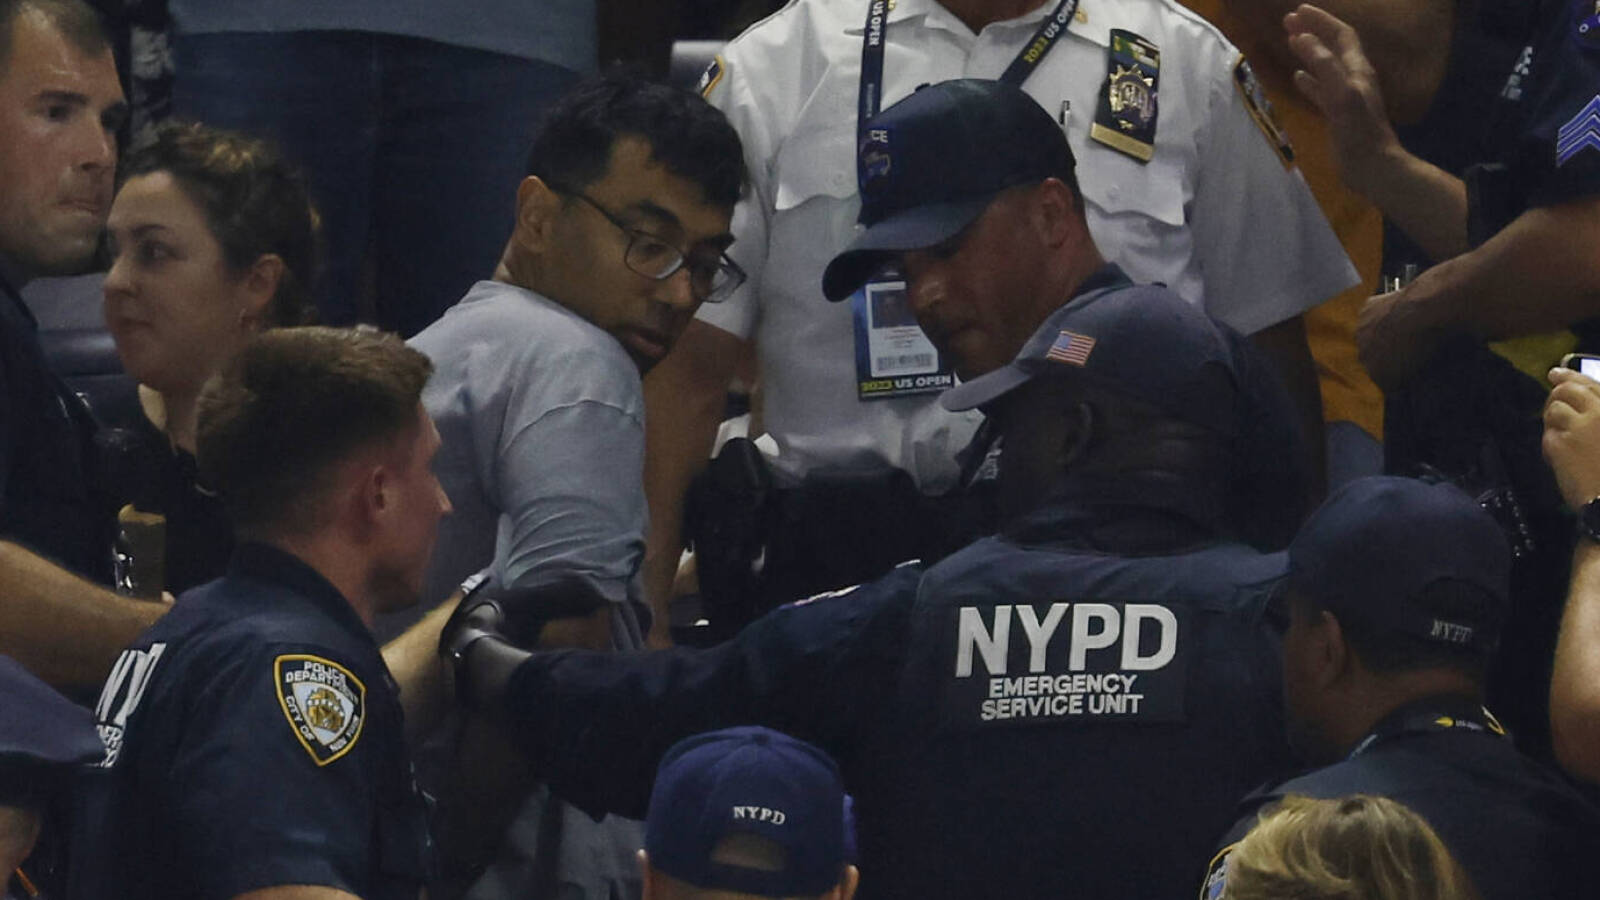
[[1545, 125], [1075, 707], [48, 497], [1517, 828], [253, 738]]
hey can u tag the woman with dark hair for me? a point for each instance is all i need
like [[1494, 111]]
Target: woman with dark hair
[[212, 239]]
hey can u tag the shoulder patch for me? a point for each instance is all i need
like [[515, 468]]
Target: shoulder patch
[[1255, 100], [325, 703], [1216, 883], [711, 77]]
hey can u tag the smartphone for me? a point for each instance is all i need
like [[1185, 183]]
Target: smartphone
[[1582, 363]]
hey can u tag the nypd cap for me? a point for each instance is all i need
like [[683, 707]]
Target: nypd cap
[[1144, 342], [1378, 544], [930, 164], [42, 736], [752, 781]]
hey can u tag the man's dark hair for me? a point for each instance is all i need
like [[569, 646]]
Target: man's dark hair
[[77, 21], [291, 406], [1386, 651], [687, 135], [255, 202]]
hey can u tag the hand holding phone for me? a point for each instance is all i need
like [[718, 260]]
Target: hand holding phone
[[1583, 363]]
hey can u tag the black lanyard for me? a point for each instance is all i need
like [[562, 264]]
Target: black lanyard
[[1449, 715], [872, 43]]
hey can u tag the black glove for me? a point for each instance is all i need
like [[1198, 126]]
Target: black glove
[[478, 616]]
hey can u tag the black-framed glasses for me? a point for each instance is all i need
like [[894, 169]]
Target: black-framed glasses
[[711, 280]]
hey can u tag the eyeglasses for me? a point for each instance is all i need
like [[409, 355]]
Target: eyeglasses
[[711, 280]]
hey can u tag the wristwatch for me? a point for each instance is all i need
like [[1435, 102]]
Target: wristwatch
[[1589, 520], [458, 634]]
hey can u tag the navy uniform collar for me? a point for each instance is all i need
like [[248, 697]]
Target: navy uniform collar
[[1123, 518], [1430, 715], [1107, 276], [11, 282], [265, 562]]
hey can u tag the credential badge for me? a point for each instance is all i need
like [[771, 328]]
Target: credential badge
[[1125, 117], [324, 702]]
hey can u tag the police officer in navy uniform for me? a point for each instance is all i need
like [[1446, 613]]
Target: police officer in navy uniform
[[1462, 351], [1396, 593], [60, 107], [253, 737], [1072, 702]]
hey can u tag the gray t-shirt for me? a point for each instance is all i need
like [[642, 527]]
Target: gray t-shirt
[[554, 31], [542, 421]]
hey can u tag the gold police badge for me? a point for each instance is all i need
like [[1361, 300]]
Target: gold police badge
[[324, 702]]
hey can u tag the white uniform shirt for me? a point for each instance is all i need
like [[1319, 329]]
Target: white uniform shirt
[[1215, 215]]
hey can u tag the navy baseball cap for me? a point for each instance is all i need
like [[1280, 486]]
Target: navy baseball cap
[[42, 736], [1378, 543], [752, 781], [1143, 341], [930, 164]]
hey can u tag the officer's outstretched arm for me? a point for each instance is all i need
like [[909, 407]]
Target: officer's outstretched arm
[[63, 629], [594, 725], [1538, 274]]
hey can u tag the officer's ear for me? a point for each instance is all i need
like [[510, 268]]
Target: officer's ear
[[1330, 652], [1056, 214], [537, 207], [847, 884]]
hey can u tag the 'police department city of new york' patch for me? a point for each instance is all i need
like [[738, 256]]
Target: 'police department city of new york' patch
[[324, 702]]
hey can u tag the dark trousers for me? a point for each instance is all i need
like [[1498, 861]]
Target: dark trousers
[[413, 150]]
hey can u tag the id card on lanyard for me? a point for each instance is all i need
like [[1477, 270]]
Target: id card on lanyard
[[893, 356]]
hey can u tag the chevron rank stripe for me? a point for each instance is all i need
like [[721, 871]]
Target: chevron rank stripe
[[1581, 131]]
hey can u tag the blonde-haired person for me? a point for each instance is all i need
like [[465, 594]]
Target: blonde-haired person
[[213, 239], [1360, 847]]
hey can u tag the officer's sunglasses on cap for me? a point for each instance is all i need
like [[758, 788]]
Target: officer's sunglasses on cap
[[711, 280]]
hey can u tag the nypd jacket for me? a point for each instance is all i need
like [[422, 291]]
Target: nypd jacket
[[1076, 704], [1517, 827]]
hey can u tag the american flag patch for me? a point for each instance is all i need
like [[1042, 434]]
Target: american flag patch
[[1071, 348]]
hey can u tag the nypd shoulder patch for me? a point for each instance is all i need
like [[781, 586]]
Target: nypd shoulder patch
[[1255, 100], [324, 702], [711, 77], [1216, 883]]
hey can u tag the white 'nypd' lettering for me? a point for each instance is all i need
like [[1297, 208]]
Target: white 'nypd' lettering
[[1094, 626], [760, 814], [129, 679]]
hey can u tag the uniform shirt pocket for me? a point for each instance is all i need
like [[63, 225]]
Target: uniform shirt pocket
[[815, 162]]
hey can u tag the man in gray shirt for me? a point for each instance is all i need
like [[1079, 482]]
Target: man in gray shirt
[[621, 225]]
